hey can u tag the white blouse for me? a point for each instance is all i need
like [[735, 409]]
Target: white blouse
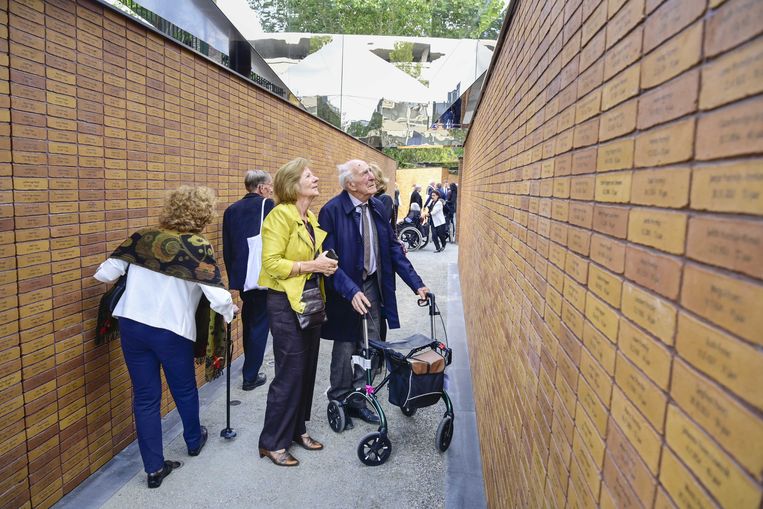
[[437, 214], [162, 301]]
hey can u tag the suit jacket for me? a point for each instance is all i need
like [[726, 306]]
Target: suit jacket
[[241, 220], [342, 224]]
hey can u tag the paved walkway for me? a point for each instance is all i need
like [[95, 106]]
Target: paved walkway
[[230, 473]]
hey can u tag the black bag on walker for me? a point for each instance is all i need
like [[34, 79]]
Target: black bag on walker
[[417, 381]]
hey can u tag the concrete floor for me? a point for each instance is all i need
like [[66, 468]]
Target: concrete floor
[[231, 474]]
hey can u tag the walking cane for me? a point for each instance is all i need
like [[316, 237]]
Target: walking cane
[[228, 433]]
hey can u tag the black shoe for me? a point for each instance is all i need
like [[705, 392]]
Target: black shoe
[[260, 380], [348, 422], [204, 435], [364, 414], [155, 479]]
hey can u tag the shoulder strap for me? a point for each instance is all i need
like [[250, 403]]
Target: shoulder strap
[[262, 212]]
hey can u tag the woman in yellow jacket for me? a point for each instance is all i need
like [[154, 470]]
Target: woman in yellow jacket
[[291, 256]]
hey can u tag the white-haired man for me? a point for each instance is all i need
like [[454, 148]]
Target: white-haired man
[[241, 222], [369, 257]]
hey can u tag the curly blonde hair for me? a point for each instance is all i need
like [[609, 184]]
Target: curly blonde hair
[[188, 209]]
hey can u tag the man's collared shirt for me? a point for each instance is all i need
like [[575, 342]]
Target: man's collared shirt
[[357, 203]]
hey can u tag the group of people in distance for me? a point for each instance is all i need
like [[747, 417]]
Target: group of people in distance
[[438, 211], [349, 251]]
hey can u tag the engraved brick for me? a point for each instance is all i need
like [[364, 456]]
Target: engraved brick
[[733, 76], [668, 187], [730, 131], [641, 392], [665, 145], [623, 86], [605, 285], [669, 101], [611, 220], [627, 18], [664, 230], [736, 429], [650, 312], [636, 429], [681, 485], [714, 468], [731, 187], [732, 244], [602, 316], [724, 300], [655, 271], [584, 161], [673, 57], [669, 19], [614, 187], [734, 22], [617, 155], [729, 361], [582, 188]]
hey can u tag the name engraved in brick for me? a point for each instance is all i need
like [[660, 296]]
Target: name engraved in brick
[[655, 271], [582, 188], [613, 187], [729, 361], [584, 161], [714, 468], [667, 187], [672, 57], [664, 230], [644, 394], [623, 452], [636, 429], [732, 187], [730, 131], [733, 76], [732, 244], [623, 86], [729, 302], [608, 252], [605, 285], [735, 428], [681, 485], [652, 313], [611, 220], [665, 145], [670, 101], [618, 121], [615, 156]]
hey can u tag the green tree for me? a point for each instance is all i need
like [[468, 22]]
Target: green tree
[[319, 41], [402, 57], [436, 18]]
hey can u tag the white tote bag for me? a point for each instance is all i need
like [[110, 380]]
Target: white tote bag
[[254, 262]]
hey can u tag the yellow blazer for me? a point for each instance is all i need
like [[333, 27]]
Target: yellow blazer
[[285, 241]]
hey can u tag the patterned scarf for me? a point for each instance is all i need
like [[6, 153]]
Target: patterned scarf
[[185, 256]]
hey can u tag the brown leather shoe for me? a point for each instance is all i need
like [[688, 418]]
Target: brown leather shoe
[[309, 443], [282, 459]]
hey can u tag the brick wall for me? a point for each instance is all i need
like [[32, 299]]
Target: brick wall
[[405, 179], [612, 255], [98, 117]]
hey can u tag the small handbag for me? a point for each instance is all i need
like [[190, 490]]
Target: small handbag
[[314, 314], [107, 327]]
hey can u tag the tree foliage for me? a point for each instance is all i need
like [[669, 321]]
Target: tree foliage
[[413, 157], [401, 57], [433, 18]]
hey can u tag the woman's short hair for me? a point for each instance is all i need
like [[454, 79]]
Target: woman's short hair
[[188, 209], [254, 178], [286, 181], [381, 180]]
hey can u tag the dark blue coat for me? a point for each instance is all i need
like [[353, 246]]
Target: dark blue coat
[[240, 221], [342, 223]]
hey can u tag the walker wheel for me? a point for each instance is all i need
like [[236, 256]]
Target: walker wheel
[[408, 411], [335, 414], [444, 433], [374, 449]]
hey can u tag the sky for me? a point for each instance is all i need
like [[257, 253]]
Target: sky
[[242, 16]]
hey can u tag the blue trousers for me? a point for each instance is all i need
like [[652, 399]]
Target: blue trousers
[[254, 318], [145, 349]]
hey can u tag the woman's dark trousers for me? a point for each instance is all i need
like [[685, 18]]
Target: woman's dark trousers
[[145, 349], [290, 396]]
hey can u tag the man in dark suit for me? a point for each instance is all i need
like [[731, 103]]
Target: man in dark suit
[[242, 222], [369, 257], [415, 197]]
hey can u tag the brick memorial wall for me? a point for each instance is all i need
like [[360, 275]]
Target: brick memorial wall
[[98, 117], [612, 254]]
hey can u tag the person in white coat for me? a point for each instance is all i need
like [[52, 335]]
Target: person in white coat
[[169, 269], [437, 216]]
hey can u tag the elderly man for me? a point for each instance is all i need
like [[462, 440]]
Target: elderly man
[[242, 222], [369, 257]]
